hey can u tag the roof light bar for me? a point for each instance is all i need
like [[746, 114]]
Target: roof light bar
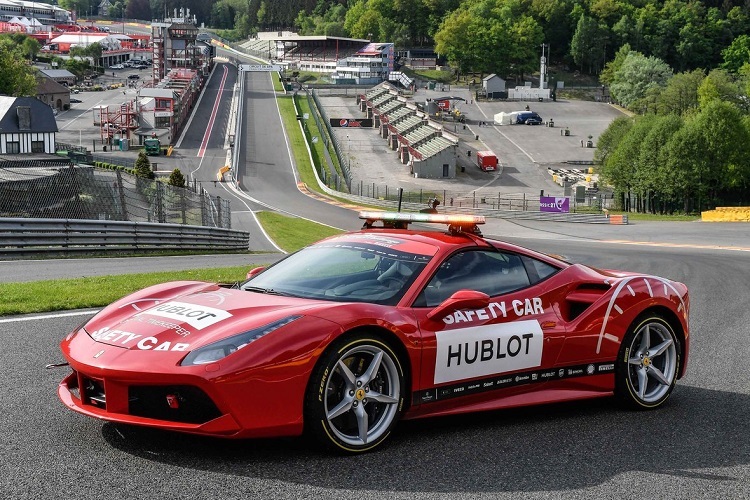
[[453, 219]]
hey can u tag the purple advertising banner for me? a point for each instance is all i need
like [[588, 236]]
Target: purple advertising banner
[[552, 204]]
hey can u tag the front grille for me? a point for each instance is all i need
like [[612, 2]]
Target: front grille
[[174, 403], [93, 392], [73, 385]]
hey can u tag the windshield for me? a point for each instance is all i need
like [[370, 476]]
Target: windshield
[[342, 271]]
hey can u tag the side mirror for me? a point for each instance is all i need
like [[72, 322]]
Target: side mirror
[[252, 272], [462, 299]]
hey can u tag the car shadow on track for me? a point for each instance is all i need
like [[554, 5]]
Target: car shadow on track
[[554, 447]]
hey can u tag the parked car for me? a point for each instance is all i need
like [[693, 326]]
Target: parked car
[[133, 76], [533, 120], [117, 66], [525, 116]]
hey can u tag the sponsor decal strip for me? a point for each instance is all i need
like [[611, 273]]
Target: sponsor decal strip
[[476, 351], [199, 317], [503, 381]]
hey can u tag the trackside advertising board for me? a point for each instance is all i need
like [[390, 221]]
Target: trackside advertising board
[[351, 122], [553, 204]]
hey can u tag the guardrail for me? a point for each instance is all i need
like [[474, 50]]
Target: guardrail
[[23, 237]]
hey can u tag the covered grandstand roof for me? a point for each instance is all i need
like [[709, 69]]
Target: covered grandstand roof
[[382, 99], [408, 124], [312, 38], [400, 114], [420, 134], [391, 106], [433, 147], [376, 91], [373, 48]]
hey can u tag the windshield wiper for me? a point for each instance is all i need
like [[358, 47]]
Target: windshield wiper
[[259, 289], [269, 291]]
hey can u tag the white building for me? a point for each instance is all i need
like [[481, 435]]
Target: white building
[[33, 13], [368, 66]]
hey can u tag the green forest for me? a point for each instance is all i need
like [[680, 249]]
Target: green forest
[[680, 67]]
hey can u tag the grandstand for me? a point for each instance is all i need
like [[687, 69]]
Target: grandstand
[[33, 16], [408, 131], [349, 61], [365, 101], [402, 79]]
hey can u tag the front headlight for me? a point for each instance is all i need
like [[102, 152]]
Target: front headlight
[[80, 326], [225, 347]]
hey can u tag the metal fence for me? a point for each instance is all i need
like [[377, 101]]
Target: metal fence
[[338, 179], [87, 192], [478, 199]]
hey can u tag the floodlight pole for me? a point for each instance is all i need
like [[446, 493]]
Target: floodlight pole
[[543, 67]]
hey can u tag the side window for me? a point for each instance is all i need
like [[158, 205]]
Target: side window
[[493, 273], [538, 270]]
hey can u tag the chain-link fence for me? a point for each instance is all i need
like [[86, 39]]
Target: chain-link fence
[[480, 199], [86, 192]]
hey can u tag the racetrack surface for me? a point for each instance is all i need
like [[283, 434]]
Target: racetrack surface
[[696, 446]]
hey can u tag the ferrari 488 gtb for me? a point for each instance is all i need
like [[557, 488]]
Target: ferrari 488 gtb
[[344, 338]]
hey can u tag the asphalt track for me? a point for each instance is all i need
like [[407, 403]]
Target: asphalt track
[[696, 446]]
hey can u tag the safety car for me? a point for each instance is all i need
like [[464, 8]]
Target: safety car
[[350, 335]]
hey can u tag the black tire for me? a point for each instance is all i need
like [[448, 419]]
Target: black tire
[[648, 363], [341, 409]]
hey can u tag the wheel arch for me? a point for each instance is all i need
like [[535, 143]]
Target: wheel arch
[[391, 339], [395, 343]]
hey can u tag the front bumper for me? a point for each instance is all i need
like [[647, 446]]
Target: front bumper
[[177, 407]]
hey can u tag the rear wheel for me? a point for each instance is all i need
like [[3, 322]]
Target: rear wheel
[[648, 363], [355, 396]]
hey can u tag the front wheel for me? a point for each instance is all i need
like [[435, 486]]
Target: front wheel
[[355, 396], [648, 363]]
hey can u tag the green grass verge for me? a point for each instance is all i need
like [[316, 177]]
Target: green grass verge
[[311, 130], [291, 233], [80, 293], [277, 85], [431, 74], [633, 216], [318, 148], [297, 143]]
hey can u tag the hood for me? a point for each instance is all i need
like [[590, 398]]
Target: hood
[[181, 321]]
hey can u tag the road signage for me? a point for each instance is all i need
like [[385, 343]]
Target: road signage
[[259, 67]]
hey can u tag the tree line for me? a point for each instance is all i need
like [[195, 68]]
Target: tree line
[[687, 146]]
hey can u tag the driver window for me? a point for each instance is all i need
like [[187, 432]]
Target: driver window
[[493, 273]]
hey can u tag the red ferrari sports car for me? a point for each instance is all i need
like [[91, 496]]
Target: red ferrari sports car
[[344, 338]]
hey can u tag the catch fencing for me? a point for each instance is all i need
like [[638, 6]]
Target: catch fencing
[[88, 192]]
